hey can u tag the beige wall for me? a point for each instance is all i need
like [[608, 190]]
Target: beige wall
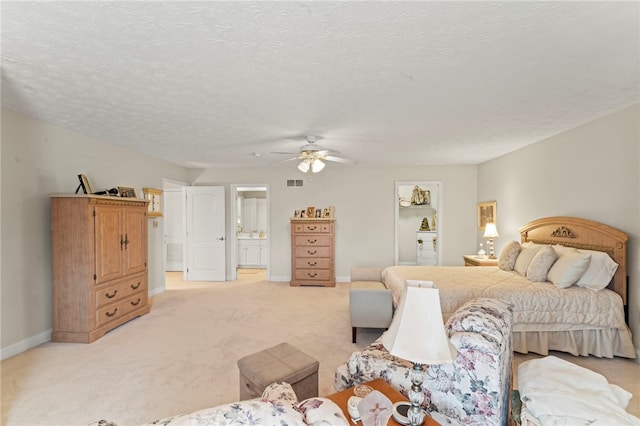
[[39, 159], [364, 199], [591, 171]]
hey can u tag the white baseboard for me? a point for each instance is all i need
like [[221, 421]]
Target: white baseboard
[[156, 291], [23, 345], [280, 278]]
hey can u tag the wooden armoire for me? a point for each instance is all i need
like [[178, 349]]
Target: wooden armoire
[[99, 262]]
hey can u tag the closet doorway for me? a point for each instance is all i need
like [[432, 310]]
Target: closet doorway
[[249, 230]]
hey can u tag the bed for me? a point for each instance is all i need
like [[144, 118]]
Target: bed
[[576, 320]]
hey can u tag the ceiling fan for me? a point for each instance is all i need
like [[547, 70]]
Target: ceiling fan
[[312, 156]]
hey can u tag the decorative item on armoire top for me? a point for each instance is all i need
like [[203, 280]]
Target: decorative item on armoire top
[[84, 184], [127, 192], [113, 192], [424, 226], [433, 222]]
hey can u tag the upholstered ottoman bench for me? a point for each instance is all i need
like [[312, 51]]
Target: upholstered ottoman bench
[[370, 304], [282, 362]]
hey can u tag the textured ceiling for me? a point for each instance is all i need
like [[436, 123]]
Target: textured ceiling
[[207, 84]]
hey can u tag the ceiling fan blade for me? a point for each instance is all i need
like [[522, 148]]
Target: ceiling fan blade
[[340, 160], [280, 152], [286, 160]]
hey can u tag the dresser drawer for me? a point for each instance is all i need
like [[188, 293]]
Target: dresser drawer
[[313, 252], [313, 263], [118, 309], [312, 228], [120, 290], [313, 240], [313, 274]]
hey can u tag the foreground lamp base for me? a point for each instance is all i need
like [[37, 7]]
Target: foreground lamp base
[[415, 413]]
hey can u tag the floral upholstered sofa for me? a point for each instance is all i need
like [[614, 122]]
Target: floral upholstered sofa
[[475, 389], [278, 406]]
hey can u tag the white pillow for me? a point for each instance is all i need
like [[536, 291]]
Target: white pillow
[[508, 256], [541, 263], [569, 268], [527, 251], [600, 271]]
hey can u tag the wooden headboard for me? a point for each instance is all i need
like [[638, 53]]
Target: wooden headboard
[[583, 234]]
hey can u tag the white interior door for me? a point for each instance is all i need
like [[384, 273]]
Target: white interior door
[[205, 225]]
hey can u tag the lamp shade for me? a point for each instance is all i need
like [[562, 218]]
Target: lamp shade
[[304, 166], [317, 165], [417, 331], [490, 231]]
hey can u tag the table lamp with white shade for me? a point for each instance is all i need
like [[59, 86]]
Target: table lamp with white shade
[[417, 334], [490, 232]]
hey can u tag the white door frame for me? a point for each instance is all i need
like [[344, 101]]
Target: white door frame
[[168, 183], [232, 227]]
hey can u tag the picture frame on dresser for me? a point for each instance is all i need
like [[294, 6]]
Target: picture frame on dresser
[[311, 212]]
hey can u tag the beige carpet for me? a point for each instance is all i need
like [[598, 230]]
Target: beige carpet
[[182, 356]]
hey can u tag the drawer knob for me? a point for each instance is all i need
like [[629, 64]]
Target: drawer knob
[[110, 314], [135, 286], [136, 303], [312, 228], [111, 296], [312, 274], [312, 241], [312, 263], [312, 252]]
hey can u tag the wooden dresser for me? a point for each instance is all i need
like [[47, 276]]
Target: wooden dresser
[[99, 261], [312, 252]]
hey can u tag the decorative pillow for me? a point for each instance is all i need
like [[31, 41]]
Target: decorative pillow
[[527, 251], [600, 271], [541, 263], [569, 268], [508, 256]]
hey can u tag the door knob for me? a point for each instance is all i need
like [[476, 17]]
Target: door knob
[[220, 238]]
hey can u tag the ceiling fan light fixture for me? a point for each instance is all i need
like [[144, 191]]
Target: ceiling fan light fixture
[[317, 165], [304, 166]]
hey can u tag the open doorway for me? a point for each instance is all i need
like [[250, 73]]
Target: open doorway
[[249, 213]]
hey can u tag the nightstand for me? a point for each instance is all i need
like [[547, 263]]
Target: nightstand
[[474, 260]]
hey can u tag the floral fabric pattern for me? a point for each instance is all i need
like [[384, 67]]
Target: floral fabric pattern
[[475, 389], [278, 406]]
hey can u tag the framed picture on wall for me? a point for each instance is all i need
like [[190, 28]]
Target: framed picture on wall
[[486, 214]]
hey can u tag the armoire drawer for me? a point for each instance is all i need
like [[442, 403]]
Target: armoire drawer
[[118, 309], [120, 290]]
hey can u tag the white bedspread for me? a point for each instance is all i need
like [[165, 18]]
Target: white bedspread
[[558, 392], [537, 306]]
